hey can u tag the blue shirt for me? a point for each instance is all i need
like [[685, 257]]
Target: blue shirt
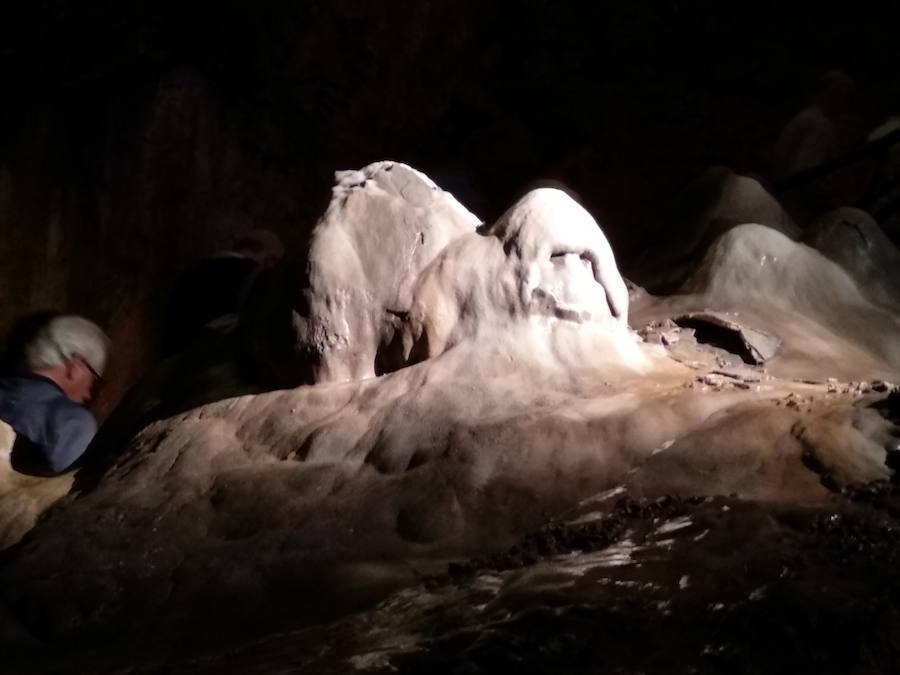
[[38, 410]]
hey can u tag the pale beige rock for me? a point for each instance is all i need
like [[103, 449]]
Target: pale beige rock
[[23, 498], [790, 290], [739, 200], [544, 261], [7, 438], [716, 201], [384, 225]]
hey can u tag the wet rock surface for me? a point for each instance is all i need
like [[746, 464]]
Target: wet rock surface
[[816, 592], [699, 585]]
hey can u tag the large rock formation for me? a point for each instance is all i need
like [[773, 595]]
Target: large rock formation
[[721, 199], [23, 498], [516, 391], [826, 323], [713, 203], [851, 238], [546, 257], [386, 223]]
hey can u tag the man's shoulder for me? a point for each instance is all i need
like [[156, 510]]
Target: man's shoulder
[[30, 385], [62, 411], [24, 398]]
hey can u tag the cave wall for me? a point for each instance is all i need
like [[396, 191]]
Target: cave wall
[[105, 196], [135, 138]]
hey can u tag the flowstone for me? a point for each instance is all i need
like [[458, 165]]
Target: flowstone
[[342, 302], [465, 383]]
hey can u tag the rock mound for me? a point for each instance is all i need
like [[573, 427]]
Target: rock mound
[[851, 238], [795, 292], [545, 260], [341, 303]]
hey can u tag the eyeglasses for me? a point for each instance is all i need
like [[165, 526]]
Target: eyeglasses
[[98, 378]]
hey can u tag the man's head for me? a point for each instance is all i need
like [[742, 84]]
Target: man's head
[[71, 351]]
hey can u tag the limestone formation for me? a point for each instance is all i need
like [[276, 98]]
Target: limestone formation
[[851, 238], [721, 199], [822, 131], [545, 257], [883, 200], [23, 498], [516, 391], [716, 201], [384, 225], [792, 291]]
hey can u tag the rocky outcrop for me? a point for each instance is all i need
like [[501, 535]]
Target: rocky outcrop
[[533, 396], [713, 203], [721, 199], [23, 498], [386, 223], [827, 324], [546, 256], [652, 586], [851, 238]]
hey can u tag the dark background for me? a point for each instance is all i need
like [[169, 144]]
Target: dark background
[[136, 137]]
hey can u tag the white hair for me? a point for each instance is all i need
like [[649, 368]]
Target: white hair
[[66, 337]]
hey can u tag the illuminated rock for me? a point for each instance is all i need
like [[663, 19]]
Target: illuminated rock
[[23, 498], [384, 225], [516, 392], [827, 325], [545, 261]]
